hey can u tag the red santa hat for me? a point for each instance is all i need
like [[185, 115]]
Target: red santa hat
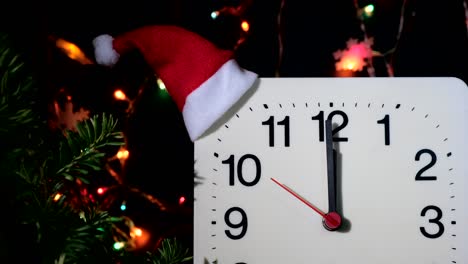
[[202, 79]]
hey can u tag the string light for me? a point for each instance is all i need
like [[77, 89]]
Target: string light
[[245, 26], [236, 11], [123, 206], [72, 51], [368, 10], [101, 190], [160, 84], [138, 238], [122, 154], [355, 57], [136, 232], [120, 95], [119, 245], [214, 14], [370, 65], [182, 200], [57, 197]]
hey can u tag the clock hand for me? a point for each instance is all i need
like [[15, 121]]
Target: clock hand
[[331, 175], [333, 219]]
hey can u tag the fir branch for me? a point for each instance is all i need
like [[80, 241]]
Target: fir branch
[[39, 163], [83, 151], [170, 252], [90, 240], [17, 90]]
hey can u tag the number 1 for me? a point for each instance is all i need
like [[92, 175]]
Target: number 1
[[386, 122]]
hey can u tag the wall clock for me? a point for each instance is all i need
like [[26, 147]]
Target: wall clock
[[336, 170]]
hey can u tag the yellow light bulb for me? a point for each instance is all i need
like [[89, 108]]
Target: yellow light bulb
[[245, 26], [123, 154], [136, 232], [57, 197], [120, 95]]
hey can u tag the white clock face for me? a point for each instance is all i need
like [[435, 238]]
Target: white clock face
[[401, 174]]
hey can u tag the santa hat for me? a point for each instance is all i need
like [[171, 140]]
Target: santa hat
[[202, 79]]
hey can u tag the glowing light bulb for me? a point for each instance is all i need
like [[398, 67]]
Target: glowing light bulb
[[57, 197], [136, 232], [140, 237], [120, 95], [72, 51], [101, 190], [123, 207], [214, 14], [119, 245], [123, 154], [350, 65], [161, 84], [369, 10], [181, 200], [245, 26]]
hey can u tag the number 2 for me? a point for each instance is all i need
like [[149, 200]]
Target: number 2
[[419, 176]]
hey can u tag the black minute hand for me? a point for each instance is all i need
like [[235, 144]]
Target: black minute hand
[[331, 175], [330, 166]]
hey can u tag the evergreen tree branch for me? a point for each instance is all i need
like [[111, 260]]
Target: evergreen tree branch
[[83, 151], [44, 167], [170, 252]]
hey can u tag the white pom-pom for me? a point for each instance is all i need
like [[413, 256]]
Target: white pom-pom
[[104, 52]]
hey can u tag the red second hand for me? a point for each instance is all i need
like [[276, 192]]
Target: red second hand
[[300, 198], [332, 220]]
